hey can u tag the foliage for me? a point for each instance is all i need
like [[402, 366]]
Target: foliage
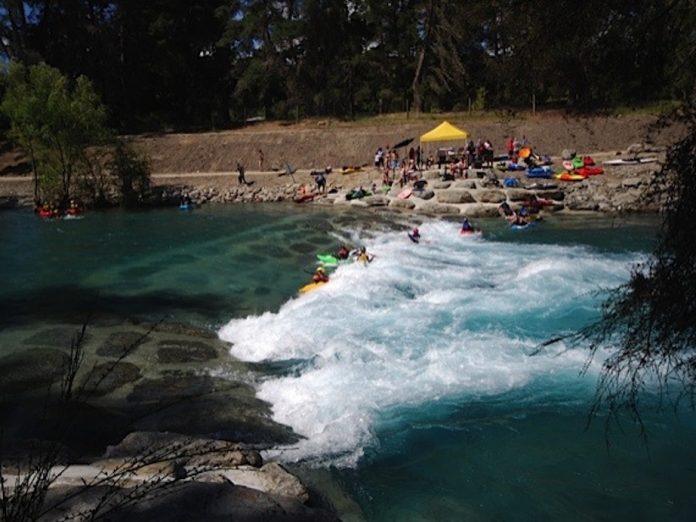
[[131, 171], [54, 121], [650, 319], [201, 63]]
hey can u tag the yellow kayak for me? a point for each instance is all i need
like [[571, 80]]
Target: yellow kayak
[[311, 286], [569, 176]]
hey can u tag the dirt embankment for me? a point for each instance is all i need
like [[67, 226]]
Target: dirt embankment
[[316, 145], [199, 159]]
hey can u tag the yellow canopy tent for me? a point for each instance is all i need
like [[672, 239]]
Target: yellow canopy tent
[[444, 132]]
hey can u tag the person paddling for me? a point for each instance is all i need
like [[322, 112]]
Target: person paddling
[[364, 257]]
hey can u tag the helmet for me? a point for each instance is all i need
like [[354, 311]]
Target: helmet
[[321, 269]]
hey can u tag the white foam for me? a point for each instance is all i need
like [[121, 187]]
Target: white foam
[[421, 323]]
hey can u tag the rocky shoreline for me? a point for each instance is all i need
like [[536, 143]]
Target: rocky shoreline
[[620, 189]]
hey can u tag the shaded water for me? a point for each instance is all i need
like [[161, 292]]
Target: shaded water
[[418, 379]]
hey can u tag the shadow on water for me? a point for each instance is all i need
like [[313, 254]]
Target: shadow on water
[[70, 303]]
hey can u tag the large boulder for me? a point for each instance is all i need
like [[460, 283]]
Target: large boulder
[[455, 196], [517, 194], [437, 208], [405, 204], [475, 210], [272, 478], [491, 196], [192, 451], [423, 194], [464, 184], [376, 201]]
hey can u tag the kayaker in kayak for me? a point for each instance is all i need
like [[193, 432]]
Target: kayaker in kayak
[[467, 226], [320, 276], [363, 256], [343, 252]]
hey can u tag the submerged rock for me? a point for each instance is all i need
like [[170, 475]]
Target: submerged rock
[[119, 343], [181, 351], [108, 377], [199, 404], [31, 370], [53, 337]]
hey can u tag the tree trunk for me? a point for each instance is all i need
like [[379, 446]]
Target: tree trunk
[[418, 75]]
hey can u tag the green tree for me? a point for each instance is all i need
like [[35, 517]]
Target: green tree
[[131, 171], [54, 121]]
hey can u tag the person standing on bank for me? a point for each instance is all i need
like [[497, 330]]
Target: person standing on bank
[[240, 174], [261, 158]]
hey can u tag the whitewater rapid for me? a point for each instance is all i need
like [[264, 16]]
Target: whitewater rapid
[[450, 319]]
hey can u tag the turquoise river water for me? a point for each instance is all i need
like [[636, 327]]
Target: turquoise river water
[[417, 381]]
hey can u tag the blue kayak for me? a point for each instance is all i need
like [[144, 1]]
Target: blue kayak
[[515, 226], [540, 172]]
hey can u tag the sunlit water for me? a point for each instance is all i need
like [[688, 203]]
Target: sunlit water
[[418, 379]]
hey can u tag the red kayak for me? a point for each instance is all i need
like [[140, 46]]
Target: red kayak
[[587, 171]]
